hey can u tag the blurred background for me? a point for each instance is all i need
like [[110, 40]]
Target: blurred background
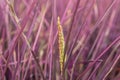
[[29, 47]]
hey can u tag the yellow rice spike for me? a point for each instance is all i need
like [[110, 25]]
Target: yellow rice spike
[[61, 44]]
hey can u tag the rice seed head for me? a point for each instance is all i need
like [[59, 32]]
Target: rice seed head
[[12, 11], [61, 43]]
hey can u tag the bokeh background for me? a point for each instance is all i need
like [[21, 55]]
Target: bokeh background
[[29, 48]]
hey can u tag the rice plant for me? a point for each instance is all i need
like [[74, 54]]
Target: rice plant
[[59, 40]]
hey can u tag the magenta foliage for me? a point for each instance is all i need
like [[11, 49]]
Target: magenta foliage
[[29, 48]]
